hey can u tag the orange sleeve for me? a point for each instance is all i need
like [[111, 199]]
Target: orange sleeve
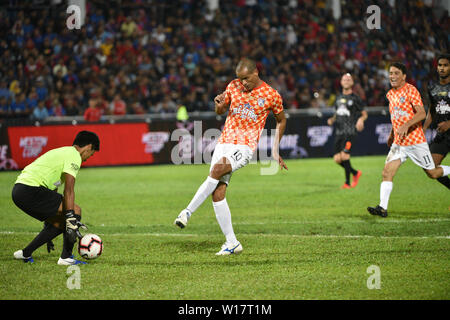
[[277, 105]]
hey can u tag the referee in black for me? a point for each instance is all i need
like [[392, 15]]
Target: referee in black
[[348, 119], [439, 114]]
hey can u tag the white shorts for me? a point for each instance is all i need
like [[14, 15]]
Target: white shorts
[[238, 155], [419, 153]]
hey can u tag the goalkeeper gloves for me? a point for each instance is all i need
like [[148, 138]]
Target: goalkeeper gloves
[[73, 226], [50, 246]]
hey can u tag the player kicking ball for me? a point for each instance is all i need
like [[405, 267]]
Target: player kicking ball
[[35, 193], [249, 100], [406, 139]]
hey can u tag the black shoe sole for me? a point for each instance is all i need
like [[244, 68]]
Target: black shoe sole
[[178, 223], [375, 212]]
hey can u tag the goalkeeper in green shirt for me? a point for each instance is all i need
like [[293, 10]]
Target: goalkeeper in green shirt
[[35, 193]]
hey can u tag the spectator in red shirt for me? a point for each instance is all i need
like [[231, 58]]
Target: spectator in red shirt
[[92, 113], [118, 106]]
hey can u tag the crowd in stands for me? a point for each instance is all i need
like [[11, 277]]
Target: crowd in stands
[[149, 56]]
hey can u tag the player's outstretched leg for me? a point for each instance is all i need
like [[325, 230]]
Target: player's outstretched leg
[[19, 256], [183, 218], [204, 191]]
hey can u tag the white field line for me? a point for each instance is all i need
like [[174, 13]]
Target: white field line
[[156, 234], [384, 221]]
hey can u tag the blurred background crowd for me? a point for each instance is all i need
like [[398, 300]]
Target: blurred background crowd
[[150, 56]]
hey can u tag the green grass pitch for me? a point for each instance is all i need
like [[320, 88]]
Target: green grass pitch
[[303, 237]]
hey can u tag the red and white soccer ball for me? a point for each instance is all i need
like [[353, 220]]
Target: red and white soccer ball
[[90, 246]]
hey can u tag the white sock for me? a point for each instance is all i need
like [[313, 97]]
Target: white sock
[[202, 193], [385, 193], [446, 170], [223, 216]]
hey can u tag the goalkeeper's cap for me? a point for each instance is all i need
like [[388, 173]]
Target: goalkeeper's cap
[[84, 138]]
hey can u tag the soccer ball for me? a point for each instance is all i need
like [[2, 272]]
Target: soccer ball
[[90, 246]]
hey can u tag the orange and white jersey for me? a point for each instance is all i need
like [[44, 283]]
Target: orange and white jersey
[[401, 102], [248, 113]]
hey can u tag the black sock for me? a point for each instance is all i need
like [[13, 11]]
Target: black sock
[[68, 245], [445, 180], [49, 232], [346, 165], [352, 171]]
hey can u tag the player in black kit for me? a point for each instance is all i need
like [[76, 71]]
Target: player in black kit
[[348, 119], [439, 114]]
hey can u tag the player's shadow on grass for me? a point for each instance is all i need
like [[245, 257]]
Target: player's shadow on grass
[[193, 246], [398, 215], [315, 188]]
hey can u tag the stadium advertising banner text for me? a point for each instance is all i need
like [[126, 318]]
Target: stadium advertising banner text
[[187, 142]]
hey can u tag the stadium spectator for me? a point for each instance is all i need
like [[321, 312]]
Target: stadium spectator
[[5, 108], [40, 111], [93, 113], [180, 42], [57, 109], [71, 108], [19, 107], [117, 106]]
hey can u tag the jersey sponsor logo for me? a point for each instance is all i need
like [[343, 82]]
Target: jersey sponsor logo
[[343, 111], [398, 113], [245, 112], [442, 107], [261, 102], [32, 146], [75, 167]]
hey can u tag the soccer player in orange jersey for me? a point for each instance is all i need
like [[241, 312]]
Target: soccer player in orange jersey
[[407, 139], [249, 100]]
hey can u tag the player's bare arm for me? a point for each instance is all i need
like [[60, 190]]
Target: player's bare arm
[[331, 120], [281, 126], [428, 121], [418, 117], [443, 126], [390, 138], [220, 105], [69, 192], [360, 122], [72, 223]]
